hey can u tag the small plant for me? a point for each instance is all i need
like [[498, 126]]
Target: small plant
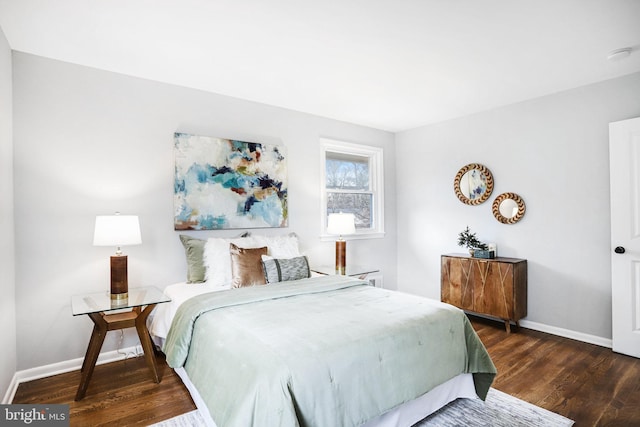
[[470, 241]]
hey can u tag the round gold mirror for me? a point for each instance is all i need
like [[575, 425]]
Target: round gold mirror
[[508, 208], [473, 184]]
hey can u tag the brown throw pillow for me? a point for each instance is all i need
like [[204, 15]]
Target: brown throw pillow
[[246, 266]]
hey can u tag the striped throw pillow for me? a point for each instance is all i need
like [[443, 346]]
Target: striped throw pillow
[[282, 270]]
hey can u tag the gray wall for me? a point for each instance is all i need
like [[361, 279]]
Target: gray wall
[[91, 142], [7, 251], [553, 152]]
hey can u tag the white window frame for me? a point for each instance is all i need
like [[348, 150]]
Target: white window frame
[[376, 183]]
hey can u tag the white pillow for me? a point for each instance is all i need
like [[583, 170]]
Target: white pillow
[[217, 259], [285, 246]]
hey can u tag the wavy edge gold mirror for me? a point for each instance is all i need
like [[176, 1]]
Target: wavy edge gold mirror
[[508, 214], [466, 179]]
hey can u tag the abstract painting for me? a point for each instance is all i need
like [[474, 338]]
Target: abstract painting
[[222, 184]]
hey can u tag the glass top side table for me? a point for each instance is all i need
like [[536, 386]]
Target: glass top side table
[[101, 301], [358, 271], [107, 315]]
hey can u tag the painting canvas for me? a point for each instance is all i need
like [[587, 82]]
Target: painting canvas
[[223, 184]]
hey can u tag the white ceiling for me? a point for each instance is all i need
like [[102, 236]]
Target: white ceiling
[[389, 64]]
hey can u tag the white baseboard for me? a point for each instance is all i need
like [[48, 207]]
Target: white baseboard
[[566, 333], [561, 332], [62, 367]]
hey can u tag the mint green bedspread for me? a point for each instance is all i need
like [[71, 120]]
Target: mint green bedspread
[[327, 351]]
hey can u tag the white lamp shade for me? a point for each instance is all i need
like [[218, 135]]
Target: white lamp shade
[[341, 224], [117, 230]]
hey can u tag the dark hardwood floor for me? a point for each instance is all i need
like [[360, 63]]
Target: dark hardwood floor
[[587, 383], [119, 394]]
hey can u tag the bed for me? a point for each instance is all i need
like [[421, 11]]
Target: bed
[[320, 351]]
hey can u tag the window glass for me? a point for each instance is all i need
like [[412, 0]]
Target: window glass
[[352, 183], [358, 204], [347, 172]]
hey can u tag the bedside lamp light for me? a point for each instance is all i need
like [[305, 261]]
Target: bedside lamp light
[[117, 230], [341, 224]]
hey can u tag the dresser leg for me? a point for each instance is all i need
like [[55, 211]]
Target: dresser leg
[[507, 325]]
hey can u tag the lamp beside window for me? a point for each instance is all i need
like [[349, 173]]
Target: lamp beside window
[[117, 230], [341, 224]]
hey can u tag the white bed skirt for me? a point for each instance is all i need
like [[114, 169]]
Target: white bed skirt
[[404, 415]]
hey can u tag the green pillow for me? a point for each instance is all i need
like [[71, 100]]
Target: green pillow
[[194, 249]]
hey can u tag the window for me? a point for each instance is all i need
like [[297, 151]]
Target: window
[[352, 182]]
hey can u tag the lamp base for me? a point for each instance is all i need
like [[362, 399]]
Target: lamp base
[[341, 257], [119, 281], [119, 297]]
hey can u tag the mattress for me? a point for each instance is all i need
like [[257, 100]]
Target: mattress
[[161, 318]]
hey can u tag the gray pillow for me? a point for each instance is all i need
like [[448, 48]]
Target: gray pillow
[[194, 250], [282, 270]]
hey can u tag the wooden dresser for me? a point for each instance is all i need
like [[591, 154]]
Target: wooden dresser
[[493, 287]]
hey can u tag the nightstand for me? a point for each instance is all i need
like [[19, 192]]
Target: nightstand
[[361, 272], [109, 315]]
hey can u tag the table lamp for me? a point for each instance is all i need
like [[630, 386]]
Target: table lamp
[[117, 230], [341, 224]]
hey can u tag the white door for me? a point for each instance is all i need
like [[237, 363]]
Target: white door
[[624, 160]]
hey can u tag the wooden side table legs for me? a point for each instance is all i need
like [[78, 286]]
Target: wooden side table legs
[[110, 322], [93, 351], [145, 341]]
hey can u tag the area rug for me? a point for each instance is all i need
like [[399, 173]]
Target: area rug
[[499, 410], [190, 419]]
